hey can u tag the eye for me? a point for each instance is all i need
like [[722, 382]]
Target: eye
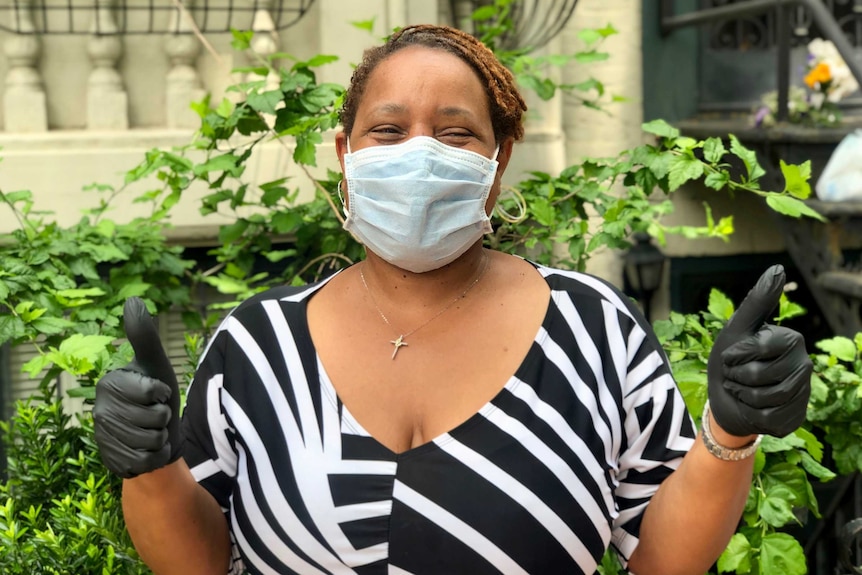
[[456, 137], [386, 134]]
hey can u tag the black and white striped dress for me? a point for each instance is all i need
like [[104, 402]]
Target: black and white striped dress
[[556, 467]]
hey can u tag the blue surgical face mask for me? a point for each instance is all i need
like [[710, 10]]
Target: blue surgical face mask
[[420, 204]]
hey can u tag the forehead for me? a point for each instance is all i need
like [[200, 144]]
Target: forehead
[[420, 75]]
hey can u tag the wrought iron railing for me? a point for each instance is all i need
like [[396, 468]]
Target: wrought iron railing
[[144, 16], [790, 17], [832, 543]]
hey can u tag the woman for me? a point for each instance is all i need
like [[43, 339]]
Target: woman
[[438, 407]]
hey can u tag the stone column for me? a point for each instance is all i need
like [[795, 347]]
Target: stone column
[[183, 85], [265, 42], [594, 134], [24, 106], [107, 101], [462, 17]]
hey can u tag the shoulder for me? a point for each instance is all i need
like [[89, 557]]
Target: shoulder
[[587, 287], [280, 294]]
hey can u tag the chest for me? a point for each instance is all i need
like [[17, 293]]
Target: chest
[[524, 485], [407, 384]]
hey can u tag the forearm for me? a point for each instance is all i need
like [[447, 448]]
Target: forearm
[[696, 510], [175, 524]]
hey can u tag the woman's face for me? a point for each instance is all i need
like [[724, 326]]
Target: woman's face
[[420, 91]]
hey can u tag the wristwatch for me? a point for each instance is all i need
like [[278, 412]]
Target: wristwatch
[[720, 451]]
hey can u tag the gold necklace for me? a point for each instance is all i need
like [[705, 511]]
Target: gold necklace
[[399, 341]]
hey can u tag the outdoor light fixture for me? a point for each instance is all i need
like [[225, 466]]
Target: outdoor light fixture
[[644, 266]]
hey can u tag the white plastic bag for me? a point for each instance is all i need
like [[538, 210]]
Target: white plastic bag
[[841, 179]]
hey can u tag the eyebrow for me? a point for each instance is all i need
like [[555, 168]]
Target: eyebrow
[[451, 111], [448, 111]]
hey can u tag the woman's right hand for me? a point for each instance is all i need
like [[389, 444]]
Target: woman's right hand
[[136, 414]]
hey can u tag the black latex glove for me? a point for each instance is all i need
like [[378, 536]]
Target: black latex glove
[[137, 407], [759, 375]]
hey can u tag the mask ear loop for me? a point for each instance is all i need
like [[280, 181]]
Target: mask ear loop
[[340, 191], [520, 202]]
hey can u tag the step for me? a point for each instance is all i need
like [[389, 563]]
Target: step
[[846, 283]]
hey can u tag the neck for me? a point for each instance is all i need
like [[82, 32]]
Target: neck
[[400, 287]]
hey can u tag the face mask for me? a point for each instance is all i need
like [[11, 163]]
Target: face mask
[[420, 204]]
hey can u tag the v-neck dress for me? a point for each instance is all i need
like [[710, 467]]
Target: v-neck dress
[[559, 465]]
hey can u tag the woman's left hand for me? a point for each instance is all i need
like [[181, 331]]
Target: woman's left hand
[[759, 374]]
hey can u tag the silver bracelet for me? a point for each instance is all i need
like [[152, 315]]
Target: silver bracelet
[[720, 451]]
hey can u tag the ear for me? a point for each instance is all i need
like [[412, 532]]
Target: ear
[[504, 155], [341, 147]]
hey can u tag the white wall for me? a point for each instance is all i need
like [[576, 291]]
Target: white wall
[[57, 163]]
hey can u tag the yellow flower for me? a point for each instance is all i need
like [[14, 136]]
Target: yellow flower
[[820, 74]]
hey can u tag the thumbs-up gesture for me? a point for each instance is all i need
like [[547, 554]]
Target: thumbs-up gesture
[[136, 413], [759, 374]]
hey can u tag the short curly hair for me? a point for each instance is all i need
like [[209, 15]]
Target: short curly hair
[[506, 104]]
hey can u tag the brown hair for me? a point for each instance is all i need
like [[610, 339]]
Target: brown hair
[[506, 104]]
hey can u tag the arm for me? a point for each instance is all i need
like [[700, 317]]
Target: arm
[[696, 509], [176, 525], [759, 381]]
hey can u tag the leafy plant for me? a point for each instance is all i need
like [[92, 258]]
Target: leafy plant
[[62, 289], [494, 24], [61, 512], [781, 491], [836, 399]]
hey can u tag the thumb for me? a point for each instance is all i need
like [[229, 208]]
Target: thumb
[[141, 332], [759, 304]]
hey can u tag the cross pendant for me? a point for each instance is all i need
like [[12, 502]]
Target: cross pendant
[[398, 343]]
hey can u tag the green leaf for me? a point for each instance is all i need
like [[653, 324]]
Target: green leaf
[[367, 25], [816, 469], [232, 232], [11, 328], [133, 289], [607, 31], [225, 108], [819, 389], [591, 56], [87, 393], [840, 347], [720, 305], [748, 157], [224, 162], [781, 553], [683, 169], [714, 150], [775, 507], [488, 12], [787, 309], [772, 444], [660, 128], [322, 59], [265, 102], [87, 347], [717, 180], [590, 36], [241, 39], [791, 207], [306, 145], [794, 182], [737, 555], [52, 325], [36, 366], [812, 444]]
